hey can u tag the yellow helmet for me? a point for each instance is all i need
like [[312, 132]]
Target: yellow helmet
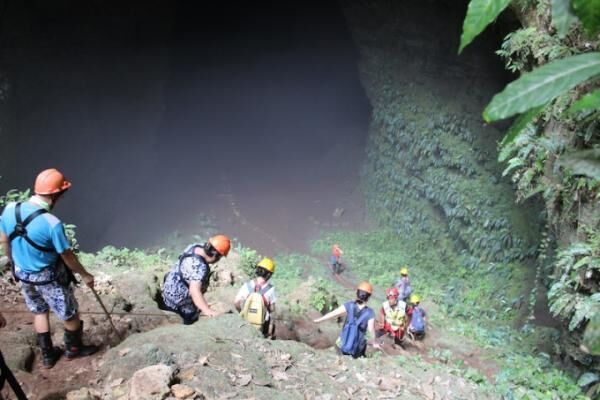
[[404, 271], [415, 299], [267, 264]]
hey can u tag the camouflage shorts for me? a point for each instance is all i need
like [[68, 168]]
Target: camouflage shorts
[[52, 296]]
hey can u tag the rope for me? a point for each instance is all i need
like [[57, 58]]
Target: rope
[[4, 311]]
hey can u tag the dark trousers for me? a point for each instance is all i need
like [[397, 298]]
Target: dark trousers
[[7, 375]]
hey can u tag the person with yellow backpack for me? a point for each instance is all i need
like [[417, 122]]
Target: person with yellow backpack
[[392, 317], [256, 299]]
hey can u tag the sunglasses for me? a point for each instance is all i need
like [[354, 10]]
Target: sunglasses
[[392, 297]]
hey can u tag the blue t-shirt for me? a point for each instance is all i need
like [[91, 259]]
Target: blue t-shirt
[[45, 230]]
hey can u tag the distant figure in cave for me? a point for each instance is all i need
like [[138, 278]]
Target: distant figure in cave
[[403, 284], [335, 259]]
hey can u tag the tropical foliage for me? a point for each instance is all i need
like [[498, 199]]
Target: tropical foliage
[[553, 147]]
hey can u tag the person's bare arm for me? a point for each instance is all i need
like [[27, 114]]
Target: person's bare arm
[[72, 262], [371, 329], [341, 310], [6, 246], [240, 298], [238, 305], [199, 300], [381, 321]]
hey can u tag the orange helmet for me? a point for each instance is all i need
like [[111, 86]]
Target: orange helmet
[[392, 292], [221, 243], [50, 181], [365, 287]]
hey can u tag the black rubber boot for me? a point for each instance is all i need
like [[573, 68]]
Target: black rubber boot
[[74, 346], [50, 354]]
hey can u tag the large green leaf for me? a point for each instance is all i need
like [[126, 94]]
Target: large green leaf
[[588, 12], [562, 16], [542, 85], [584, 162], [479, 15], [520, 123], [590, 101]]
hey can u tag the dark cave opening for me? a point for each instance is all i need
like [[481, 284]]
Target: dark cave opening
[[161, 112]]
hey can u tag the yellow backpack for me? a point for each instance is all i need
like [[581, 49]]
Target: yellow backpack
[[255, 306]]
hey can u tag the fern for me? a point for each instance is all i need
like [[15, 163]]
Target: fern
[[584, 310]]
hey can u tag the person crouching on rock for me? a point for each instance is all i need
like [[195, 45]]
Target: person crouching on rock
[[392, 317], [256, 299], [188, 279], [359, 320], [41, 258], [417, 324]]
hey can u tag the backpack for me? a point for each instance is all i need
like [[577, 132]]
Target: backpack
[[255, 306], [352, 339], [178, 276], [416, 323]]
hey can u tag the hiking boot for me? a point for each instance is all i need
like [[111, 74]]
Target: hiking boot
[[50, 354], [74, 346]]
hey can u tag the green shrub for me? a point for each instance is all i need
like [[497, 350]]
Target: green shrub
[[321, 298]]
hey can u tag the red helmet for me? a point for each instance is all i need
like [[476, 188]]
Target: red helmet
[[50, 181], [392, 292], [221, 243]]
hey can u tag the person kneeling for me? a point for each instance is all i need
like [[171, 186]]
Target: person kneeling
[[418, 318], [393, 316], [188, 279], [256, 299]]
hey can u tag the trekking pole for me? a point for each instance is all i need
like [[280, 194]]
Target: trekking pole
[[106, 313], [6, 374]]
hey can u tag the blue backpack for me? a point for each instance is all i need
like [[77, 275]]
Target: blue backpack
[[353, 341], [416, 323]]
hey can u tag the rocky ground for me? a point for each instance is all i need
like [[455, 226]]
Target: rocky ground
[[222, 357]]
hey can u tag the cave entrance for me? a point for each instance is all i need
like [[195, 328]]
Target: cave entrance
[[247, 118]]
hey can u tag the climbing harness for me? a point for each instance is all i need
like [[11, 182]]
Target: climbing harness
[[21, 228]]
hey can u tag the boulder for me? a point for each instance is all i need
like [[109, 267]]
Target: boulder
[[151, 383], [82, 394], [18, 356], [180, 391]]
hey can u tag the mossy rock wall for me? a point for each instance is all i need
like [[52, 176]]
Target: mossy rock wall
[[431, 171]]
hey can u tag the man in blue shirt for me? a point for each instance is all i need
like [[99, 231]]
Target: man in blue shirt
[[42, 260]]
